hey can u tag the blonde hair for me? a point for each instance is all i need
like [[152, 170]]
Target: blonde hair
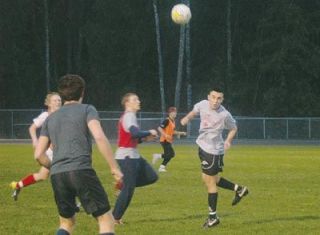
[[48, 97]]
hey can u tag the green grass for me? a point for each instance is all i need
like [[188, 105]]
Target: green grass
[[283, 199]]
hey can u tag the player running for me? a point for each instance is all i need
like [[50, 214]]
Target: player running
[[53, 102], [70, 130], [214, 119], [167, 130], [136, 170]]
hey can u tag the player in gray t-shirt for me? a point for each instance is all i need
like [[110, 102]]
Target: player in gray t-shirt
[[214, 119], [69, 131]]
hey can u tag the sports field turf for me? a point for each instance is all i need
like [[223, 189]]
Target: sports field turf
[[283, 183]]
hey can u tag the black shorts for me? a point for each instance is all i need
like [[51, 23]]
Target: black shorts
[[83, 184], [210, 164]]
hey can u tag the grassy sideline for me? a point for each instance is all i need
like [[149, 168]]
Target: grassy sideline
[[283, 183]]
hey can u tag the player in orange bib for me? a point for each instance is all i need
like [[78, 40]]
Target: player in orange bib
[[167, 130]]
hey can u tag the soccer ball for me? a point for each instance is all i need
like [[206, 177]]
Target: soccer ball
[[181, 14]]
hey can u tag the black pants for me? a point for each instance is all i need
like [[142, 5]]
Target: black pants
[[168, 152]]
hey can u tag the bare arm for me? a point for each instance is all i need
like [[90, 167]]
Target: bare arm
[[184, 121], [33, 134], [104, 148], [161, 131], [39, 153], [230, 137]]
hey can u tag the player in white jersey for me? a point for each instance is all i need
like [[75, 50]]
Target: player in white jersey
[[214, 119], [53, 102]]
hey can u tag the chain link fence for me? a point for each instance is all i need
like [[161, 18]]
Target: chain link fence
[[14, 125]]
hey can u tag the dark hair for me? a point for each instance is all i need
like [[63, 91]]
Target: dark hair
[[172, 109], [216, 89], [126, 97], [71, 87]]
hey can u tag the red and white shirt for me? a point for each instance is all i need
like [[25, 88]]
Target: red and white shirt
[[127, 145]]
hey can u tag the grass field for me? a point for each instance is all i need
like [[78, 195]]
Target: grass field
[[283, 183]]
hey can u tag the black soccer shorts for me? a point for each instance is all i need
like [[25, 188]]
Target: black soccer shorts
[[210, 164], [83, 184]]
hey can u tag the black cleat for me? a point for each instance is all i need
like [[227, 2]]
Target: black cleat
[[15, 194], [211, 222], [78, 206], [240, 193]]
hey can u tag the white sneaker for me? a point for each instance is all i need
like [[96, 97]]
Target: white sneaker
[[162, 168], [155, 157]]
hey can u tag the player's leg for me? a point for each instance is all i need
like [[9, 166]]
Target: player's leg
[[167, 155], [212, 189], [64, 195], [158, 156], [28, 180], [240, 191], [129, 168], [66, 226], [211, 165], [106, 223], [146, 174]]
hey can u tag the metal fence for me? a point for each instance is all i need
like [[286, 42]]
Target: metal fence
[[14, 124]]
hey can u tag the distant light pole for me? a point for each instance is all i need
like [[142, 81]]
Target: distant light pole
[[47, 45]]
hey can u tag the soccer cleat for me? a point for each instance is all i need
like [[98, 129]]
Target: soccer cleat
[[240, 193], [13, 185], [16, 190], [155, 157], [162, 168], [15, 194], [211, 222], [78, 206]]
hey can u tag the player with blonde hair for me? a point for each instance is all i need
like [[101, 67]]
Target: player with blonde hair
[[53, 102]]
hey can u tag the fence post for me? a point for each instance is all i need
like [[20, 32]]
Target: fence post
[[11, 124], [309, 128], [264, 128], [287, 131]]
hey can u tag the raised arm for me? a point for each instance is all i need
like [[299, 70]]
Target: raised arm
[[184, 121], [104, 147]]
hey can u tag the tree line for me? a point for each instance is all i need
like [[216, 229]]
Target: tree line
[[265, 54]]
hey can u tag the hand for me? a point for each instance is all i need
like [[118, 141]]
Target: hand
[[184, 121], [153, 132], [183, 133], [117, 174], [227, 145]]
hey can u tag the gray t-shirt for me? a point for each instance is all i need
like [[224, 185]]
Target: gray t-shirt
[[212, 124], [128, 119], [69, 134]]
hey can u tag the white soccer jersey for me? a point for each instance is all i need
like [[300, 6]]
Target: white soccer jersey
[[212, 124], [38, 121]]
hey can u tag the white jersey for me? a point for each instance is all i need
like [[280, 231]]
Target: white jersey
[[38, 122], [212, 124]]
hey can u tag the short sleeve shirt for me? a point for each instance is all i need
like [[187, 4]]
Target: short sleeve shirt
[[68, 131], [38, 121], [212, 124]]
